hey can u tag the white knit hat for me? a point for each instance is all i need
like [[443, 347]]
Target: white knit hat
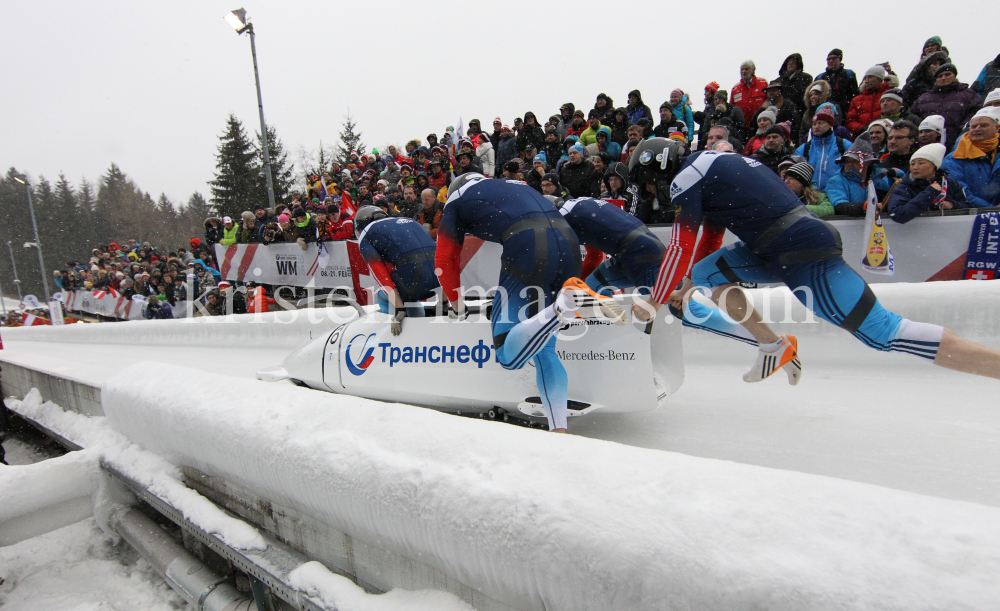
[[878, 71], [935, 122], [990, 112], [931, 152], [993, 96]]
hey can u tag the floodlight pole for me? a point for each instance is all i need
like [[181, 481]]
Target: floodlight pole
[[260, 108], [17, 282]]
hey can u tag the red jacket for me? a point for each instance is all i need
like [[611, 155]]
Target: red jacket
[[749, 99], [864, 109], [344, 230]]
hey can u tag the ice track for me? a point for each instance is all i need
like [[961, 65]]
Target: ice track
[[859, 415]]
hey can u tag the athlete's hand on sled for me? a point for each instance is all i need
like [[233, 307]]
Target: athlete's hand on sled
[[678, 297], [397, 322], [645, 309]]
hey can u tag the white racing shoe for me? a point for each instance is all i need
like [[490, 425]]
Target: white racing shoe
[[587, 304], [785, 356]]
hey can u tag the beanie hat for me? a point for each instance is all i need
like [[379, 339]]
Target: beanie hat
[[876, 71], [768, 114], [776, 129], [297, 212], [511, 166], [993, 96], [679, 93], [667, 105], [933, 40], [802, 171], [893, 94], [712, 87], [931, 152], [935, 122], [551, 177], [817, 86], [678, 136], [990, 112], [949, 67], [540, 157], [825, 113], [885, 123], [578, 113], [786, 126], [577, 148], [836, 52]]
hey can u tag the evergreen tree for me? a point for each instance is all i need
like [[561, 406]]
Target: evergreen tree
[[236, 186], [349, 140], [86, 201], [281, 170]]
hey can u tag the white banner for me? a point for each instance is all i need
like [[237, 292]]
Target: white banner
[[56, 313]]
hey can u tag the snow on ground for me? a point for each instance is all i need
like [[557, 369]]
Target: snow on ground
[[80, 568]]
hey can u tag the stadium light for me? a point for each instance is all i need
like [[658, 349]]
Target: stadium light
[[238, 19], [37, 243]]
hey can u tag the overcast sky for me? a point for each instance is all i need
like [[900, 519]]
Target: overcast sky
[[148, 85]]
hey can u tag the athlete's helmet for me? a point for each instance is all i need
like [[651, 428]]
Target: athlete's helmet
[[365, 216], [461, 180], [656, 162], [556, 201]]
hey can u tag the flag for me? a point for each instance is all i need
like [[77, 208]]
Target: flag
[[110, 291], [30, 320], [983, 258], [878, 256]]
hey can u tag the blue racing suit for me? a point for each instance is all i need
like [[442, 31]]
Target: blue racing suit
[[540, 253], [400, 254]]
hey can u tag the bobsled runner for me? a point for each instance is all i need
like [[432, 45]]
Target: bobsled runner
[[450, 365]]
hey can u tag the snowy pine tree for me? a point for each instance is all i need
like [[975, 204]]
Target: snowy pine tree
[[349, 140], [281, 170], [237, 182]]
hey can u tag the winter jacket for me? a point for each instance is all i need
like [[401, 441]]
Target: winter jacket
[[506, 152], [431, 218], [487, 158], [683, 112], [912, 197], [822, 207], [533, 179], [533, 135], [553, 151], [919, 81], [663, 130], [306, 230], [608, 114], [577, 178], [229, 236], [164, 311], [843, 87], [974, 170], [822, 154], [795, 83], [894, 161], [956, 103], [748, 98], [564, 124], [638, 110], [576, 130], [846, 188], [619, 131], [771, 160], [589, 135], [213, 235], [628, 192], [247, 235], [864, 109], [988, 79], [611, 148], [344, 230]]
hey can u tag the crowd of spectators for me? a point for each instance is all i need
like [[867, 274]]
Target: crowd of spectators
[[829, 127], [933, 138]]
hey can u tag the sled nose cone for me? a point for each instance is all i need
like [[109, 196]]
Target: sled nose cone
[[272, 374]]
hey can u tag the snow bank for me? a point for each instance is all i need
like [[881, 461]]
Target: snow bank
[[45, 496], [541, 521]]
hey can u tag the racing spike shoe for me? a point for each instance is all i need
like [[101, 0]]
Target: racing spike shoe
[[770, 361], [793, 367], [576, 300]]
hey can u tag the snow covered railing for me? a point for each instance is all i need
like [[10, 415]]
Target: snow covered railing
[[534, 521]]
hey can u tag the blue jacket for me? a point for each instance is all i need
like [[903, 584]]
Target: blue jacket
[[846, 188], [980, 179], [913, 197], [163, 312], [823, 153], [614, 149], [683, 112]]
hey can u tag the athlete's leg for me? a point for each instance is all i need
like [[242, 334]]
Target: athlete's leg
[[519, 341], [961, 354], [553, 384]]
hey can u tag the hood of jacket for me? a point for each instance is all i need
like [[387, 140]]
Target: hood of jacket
[[570, 107], [620, 170], [941, 56], [570, 141], [638, 95], [614, 119], [532, 115], [824, 93], [208, 221], [604, 129], [783, 71]]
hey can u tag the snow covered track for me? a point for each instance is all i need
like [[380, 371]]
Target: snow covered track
[[536, 521]]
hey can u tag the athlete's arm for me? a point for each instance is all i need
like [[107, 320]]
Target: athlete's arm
[[379, 268], [592, 261], [447, 255], [711, 240], [680, 252]]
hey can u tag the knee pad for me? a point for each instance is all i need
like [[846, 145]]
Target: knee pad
[[917, 338]]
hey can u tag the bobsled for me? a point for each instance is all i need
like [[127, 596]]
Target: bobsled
[[451, 365]]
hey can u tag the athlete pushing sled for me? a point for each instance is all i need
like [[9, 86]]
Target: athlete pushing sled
[[781, 242]]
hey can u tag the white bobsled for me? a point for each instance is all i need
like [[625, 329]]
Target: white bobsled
[[451, 365]]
